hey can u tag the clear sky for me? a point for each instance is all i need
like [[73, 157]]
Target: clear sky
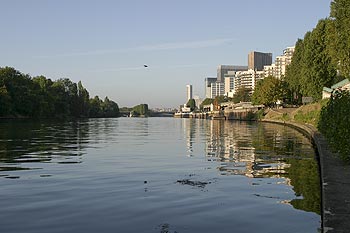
[[106, 43]]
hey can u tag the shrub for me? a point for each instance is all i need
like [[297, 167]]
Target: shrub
[[334, 123]]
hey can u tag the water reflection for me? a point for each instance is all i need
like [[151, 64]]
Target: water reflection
[[23, 142], [262, 151]]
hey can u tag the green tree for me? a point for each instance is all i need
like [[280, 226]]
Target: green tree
[[207, 101], [339, 35], [293, 72], [45, 106], [269, 90], [141, 110], [311, 68], [5, 101], [334, 123], [83, 100], [242, 94], [191, 103], [110, 108], [19, 89], [95, 109], [318, 70]]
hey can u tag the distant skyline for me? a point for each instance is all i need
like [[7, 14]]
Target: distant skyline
[[106, 43]]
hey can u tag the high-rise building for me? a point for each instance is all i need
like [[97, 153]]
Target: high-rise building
[[257, 60], [189, 92], [247, 79], [229, 83], [270, 70], [224, 69], [217, 89], [278, 69], [208, 81]]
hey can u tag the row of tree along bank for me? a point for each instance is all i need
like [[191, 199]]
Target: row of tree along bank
[[23, 96], [321, 59]]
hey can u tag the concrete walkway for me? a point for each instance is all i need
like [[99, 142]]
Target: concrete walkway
[[335, 182]]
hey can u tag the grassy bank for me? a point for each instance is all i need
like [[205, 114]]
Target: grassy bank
[[306, 114]]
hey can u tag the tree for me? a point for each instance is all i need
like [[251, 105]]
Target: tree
[[24, 96], [5, 101], [141, 110], [19, 88], [45, 106], [269, 90], [339, 35], [110, 108], [334, 123], [83, 100], [318, 70], [191, 103], [95, 109], [207, 101], [293, 71], [242, 95], [311, 68]]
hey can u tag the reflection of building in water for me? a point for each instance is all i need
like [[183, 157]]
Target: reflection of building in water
[[190, 127], [261, 151], [232, 145]]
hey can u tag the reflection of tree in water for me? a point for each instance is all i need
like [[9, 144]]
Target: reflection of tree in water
[[267, 150], [26, 141], [305, 181]]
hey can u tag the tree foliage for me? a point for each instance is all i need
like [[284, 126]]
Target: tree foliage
[[191, 103], [242, 94], [311, 68], [269, 90], [40, 97], [339, 35], [207, 101], [334, 123], [140, 110]]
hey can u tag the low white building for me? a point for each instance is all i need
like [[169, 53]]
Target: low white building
[[343, 85]]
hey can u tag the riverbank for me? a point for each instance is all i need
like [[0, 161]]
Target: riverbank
[[335, 181]]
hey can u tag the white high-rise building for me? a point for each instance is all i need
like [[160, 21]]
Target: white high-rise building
[[278, 69], [217, 88], [189, 91], [230, 83], [247, 79]]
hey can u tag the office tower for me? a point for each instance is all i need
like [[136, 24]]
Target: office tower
[[224, 69], [189, 92], [257, 60], [217, 89], [208, 81]]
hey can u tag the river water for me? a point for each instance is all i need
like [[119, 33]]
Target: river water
[[156, 175]]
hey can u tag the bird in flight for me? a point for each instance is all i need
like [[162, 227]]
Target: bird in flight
[[145, 65]]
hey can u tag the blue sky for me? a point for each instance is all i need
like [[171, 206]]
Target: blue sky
[[106, 43]]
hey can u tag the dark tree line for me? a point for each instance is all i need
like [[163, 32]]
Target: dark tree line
[[40, 97]]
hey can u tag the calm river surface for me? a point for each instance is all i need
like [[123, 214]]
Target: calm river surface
[[156, 175]]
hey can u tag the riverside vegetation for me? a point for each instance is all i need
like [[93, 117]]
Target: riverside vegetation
[[23, 96], [321, 59]]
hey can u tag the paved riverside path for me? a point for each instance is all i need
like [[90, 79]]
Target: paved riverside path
[[335, 182]]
